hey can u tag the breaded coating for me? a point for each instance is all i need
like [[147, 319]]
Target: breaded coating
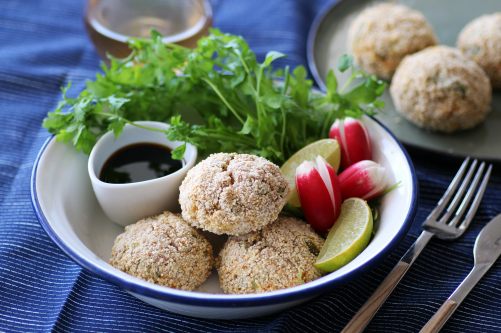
[[281, 255], [164, 250], [233, 194], [442, 90], [480, 40], [383, 34]]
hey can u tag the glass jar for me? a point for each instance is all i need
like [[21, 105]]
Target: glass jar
[[110, 23]]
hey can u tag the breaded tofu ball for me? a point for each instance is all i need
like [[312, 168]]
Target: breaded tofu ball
[[441, 90], [480, 40], [383, 34], [281, 255], [233, 194], [164, 250]]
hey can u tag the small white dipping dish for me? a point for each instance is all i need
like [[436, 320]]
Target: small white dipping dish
[[128, 203]]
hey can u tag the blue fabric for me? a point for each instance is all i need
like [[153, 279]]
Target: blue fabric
[[42, 46]]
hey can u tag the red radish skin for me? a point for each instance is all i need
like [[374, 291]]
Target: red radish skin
[[364, 179], [320, 201], [353, 139]]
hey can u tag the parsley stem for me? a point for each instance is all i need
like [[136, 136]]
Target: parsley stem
[[244, 64], [259, 105], [326, 124], [287, 76], [347, 83], [284, 124], [246, 68], [228, 105], [149, 128], [284, 118], [228, 136]]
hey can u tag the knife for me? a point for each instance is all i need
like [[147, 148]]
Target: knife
[[486, 251]]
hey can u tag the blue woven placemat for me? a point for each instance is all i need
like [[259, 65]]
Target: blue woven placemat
[[42, 46]]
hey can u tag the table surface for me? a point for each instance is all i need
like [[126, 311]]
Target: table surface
[[43, 46]]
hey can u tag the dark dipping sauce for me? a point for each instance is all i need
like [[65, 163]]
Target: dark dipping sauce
[[139, 162]]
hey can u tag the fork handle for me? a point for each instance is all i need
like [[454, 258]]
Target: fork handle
[[372, 305]]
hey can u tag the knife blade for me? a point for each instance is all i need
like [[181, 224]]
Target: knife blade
[[486, 251]]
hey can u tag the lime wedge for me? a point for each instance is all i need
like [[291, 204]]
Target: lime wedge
[[327, 148], [348, 237]]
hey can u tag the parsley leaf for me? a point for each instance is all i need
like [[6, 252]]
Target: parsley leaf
[[217, 96]]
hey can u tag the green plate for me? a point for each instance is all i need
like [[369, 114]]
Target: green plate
[[327, 41]]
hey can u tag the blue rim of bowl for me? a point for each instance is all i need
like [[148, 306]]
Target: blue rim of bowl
[[223, 301]]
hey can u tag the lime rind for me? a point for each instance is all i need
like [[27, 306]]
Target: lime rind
[[349, 236]]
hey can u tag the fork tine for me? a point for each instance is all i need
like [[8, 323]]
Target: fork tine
[[470, 194], [459, 194], [449, 192], [476, 202]]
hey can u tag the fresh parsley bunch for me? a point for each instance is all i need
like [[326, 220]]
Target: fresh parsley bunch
[[216, 96]]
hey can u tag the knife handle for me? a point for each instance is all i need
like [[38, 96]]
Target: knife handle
[[372, 305], [451, 304], [440, 317]]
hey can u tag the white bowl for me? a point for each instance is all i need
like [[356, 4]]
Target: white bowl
[[70, 214], [128, 203]]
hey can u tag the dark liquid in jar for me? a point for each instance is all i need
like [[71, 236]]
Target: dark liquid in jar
[[137, 163]]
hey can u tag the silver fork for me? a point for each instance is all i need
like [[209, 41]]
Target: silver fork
[[449, 220]]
